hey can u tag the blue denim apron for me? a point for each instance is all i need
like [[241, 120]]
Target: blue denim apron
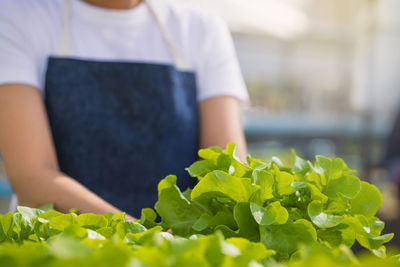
[[119, 128]]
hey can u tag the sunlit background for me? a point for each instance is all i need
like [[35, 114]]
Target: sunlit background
[[323, 77]]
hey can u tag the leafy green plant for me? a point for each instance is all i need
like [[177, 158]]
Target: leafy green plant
[[239, 214], [282, 207], [33, 237]]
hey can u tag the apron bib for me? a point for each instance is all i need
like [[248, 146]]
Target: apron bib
[[119, 127]]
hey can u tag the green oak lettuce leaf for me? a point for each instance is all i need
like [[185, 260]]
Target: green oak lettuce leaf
[[211, 153], [107, 232], [234, 252], [368, 260], [146, 237], [318, 180], [24, 222], [209, 222], [316, 194], [177, 212], [6, 226], [368, 200], [247, 227], [201, 168], [330, 169], [321, 218], [283, 182], [318, 255], [203, 222], [249, 252], [347, 186], [334, 179], [343, 234], [256, 164], [216, 156], [28, 213], [376, 225], [23, 227], [210, 250], [92, 221], [368, 234], [123, 228], [273, 213], [223, 218], [375, 243], [338, 205], [48, 215], [59, 223], [237, 167], [278, 162], [299, 165], [78, 232], [148, 217], [286, 239], [266, 181], [296, 214], [64, 247], [222, 184]]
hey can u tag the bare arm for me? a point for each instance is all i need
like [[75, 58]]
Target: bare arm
[[220, 123], [30, 159]]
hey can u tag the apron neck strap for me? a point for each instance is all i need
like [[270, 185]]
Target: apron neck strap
[[64, 47], [179, 59]]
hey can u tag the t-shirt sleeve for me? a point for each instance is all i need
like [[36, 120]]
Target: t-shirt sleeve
[[218, 71], [17, 56]]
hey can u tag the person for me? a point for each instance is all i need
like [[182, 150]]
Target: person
[[100, 100]]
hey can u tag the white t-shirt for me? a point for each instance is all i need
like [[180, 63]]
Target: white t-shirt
[[31, 30]]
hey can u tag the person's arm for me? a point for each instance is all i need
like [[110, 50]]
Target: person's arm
[[220, 123], [30, 159]]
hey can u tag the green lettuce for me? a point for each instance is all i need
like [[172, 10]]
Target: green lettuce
[[252, 213], [321, 202]]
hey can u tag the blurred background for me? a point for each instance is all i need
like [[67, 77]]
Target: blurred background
[[323, 79]]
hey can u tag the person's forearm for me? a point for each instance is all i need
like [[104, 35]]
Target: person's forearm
[[220, 124], [50, 186]]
